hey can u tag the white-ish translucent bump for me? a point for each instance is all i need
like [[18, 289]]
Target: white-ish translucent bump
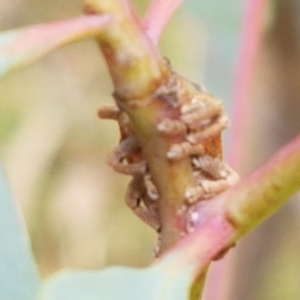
[[189, 193], [152, 195], [175, 152], [171, 127], [196, 162], [192, 194], [206, 185], [194, 100], [205, 122], [194, 105], [151, 188], [165, 125], [194, 217], [196, 174], [192, 139], [233, 178], [223, 173]]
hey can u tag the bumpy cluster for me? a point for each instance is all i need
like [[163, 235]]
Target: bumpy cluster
[[127, 158], [199, 123]]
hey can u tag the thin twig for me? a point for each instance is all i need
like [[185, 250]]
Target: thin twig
[[20, 47], [251, 38]]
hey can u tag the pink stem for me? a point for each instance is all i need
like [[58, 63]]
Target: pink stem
[[197, 250], [220, 275], [157, 17], [26, 45], [248, 204], [251, 38]]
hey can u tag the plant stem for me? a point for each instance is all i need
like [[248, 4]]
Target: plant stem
[[251, 38], [264, 191], [135, 65], [20, 47], [259, 195], [227, 218], [250, 44], [141, 79], [171, 177], [157, 17]]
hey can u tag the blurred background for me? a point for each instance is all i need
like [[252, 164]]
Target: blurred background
[[54, 148]]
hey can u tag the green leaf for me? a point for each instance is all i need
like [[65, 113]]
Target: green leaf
[[19, 278], [118, 283], [170, 278], [19, 48]]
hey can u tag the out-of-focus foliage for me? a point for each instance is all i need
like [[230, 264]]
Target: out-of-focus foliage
[[19, 278], [53, 146], [54, 151], [119, 283], [23, 46]]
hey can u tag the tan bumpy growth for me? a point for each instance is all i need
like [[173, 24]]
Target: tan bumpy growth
[[195, 127]]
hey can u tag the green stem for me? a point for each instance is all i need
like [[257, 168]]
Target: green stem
[[263, 192], [170, 177], [138, 72], [227, 218], [135, 65], [246, 205]]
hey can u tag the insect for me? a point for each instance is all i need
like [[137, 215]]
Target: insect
[[199, 123], [127, 158]]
